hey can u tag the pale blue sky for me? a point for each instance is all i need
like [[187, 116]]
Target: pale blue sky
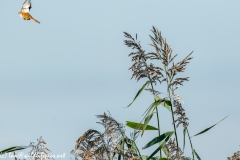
[[56, 76]]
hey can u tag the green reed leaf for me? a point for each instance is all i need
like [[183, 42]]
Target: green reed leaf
[[144, 157], [154, 105], [139, 126], [147, 157], [158, 139], [166, 103], [151, 108], [12, 149], [139, 93], [147, 120], [164, 149], [205, 130], [131, 145], [196, 154], [159, 148]]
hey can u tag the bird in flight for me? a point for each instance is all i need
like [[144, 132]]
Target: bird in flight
[[24, 13]]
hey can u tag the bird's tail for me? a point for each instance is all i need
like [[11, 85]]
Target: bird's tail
[[34, 19]]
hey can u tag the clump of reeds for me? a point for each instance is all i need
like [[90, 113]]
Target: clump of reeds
[[39, 151], [112, 143], [144, 67], [108, 144], [236, 156]]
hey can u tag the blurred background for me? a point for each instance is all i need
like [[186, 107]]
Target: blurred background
[[56, 76]]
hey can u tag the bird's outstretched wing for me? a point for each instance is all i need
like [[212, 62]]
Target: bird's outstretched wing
[[26, 6]]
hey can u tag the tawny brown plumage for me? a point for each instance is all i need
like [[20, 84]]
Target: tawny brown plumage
[[24, 13]]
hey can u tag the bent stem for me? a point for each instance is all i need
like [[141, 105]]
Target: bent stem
[[170, 99]]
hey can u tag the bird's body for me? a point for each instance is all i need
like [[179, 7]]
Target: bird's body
[[27, 16], [24, 13]]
